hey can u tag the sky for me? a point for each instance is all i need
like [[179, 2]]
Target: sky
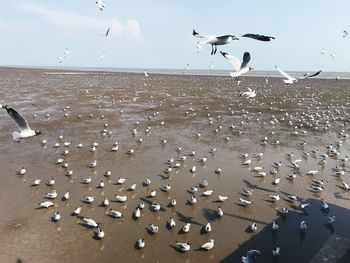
[[158, 33]]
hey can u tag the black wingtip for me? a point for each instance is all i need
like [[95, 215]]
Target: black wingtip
[[194, 32], [223, 53]]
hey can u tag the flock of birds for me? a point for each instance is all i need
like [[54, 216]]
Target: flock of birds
[[300, 123]]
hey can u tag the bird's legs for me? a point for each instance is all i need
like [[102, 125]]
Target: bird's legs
[[212, 50], [216, 48]]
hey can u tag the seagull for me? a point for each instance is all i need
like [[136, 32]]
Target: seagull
[[218, 40], [303, 226], [276, 252], [99, 232], [24, 130], [186, 228], [308, 75], [153, 228], [171, 223], [241, 68], [56, 216], [183, 246], [331, 220], [140, 243], [90, 222], [46, 204], [274, 226], [77, 210], [100, 4], [145, 72], [253, 227], [289, 80], [208, 245], [248, 94], [115, 213], [345, 33], [107, 32], [251, 256]]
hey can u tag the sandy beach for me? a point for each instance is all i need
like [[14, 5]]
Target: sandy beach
[[188, 106]]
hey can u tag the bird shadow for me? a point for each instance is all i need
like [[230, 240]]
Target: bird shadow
[[254, 186], [185, 219]]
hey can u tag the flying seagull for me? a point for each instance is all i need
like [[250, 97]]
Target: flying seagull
[[241, 68], [309, 75], [24, 130], [345, 33], [107, 33], [100, 4], [289, 80], [218, 40]]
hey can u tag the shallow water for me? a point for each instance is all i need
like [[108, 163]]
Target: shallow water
[[185, 104]]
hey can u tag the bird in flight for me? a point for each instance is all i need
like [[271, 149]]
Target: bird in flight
[[100, 4], [241, 68], [24, 130], [218, 40]]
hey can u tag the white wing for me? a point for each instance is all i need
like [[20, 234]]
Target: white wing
[[233, 60], [286, 75]]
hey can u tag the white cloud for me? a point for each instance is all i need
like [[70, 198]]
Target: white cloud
[[76, 23]]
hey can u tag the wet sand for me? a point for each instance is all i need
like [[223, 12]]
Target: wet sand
[[185, 103]]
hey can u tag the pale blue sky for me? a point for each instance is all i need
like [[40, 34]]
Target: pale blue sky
[[157, 33]]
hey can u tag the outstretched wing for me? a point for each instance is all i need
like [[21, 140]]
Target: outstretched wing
[[258, 37], [21, 122], [315, 74], [107, 33], [233, 60], [246, 59], [286, 75]]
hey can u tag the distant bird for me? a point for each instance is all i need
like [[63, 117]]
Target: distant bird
[[345, 33], [289, 79], [100, 4], [308, 75], [90, 222], [303, 226], [183, 246], [331, 220], [107, 32], [140, 243], [145, 73], [24, 130], [46, 204], [218, 40], [240, 68]]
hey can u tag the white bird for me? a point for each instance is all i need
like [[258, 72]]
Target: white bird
[[312, 172], [245, 202], [99, 233], [22, 171], [345, 186], [90, 222], [121, 180], [100, 4], [171, 223], [324, 205], [240, 68], [208, 193], [105, 202], [331, 220], [253, 227], [155, 207], [183, 246], [56, 216], [219, 212], [153, 193], [153, 228], [147, 182], [274, 226], [248, 94], [36, 182], [218, 40], [222, 198], [276, 181], [115, 213], [77, 210], [276, 252], [46, 204], [24, 130], [304, 205], [303, 226], [289, 80], [145, 72], [66, 196], [248, 192], [275, 198], [89, 199], [86, 180], [186, 228], [121, 198], [207, 227], [193, 200], [140, 243], [51, 182], [208, 245]]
